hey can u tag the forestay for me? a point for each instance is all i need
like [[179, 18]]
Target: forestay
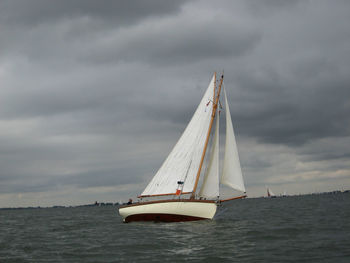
[[232, 173], [183, 161]]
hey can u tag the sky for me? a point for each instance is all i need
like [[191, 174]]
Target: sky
[[94, 94]]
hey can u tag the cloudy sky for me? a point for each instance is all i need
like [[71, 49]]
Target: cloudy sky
[[94, 94]]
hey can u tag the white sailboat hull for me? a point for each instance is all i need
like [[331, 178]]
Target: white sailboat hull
[[169, 211]]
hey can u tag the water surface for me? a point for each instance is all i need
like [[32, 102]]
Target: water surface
[[312, 228]]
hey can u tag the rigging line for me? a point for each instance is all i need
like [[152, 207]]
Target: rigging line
[[187, 170], [184, 181]]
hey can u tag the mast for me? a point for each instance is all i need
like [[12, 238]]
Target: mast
[[215, 105]]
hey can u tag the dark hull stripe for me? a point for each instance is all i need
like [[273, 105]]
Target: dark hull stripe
[[162, 218]]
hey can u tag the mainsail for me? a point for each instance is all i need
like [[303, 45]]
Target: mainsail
[[182, 163], [210, 186], [232, 173]]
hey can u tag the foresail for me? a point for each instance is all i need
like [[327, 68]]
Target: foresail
[[232, 173], [210, 186], [183, 161]]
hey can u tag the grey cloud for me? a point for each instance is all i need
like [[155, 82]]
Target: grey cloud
[[35, 12], [168, 45], [165, 40], [43, 183], [47, 30], [266, 7], [96, 95], [326, 149], [289, 119]]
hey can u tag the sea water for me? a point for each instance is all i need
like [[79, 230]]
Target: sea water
[[310, 228]]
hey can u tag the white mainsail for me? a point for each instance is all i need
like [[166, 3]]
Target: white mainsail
[[210, 186], [183, 161], [232, 173]]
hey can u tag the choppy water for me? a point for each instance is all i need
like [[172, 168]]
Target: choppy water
[[314, 228]]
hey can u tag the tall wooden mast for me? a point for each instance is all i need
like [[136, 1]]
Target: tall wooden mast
[[215, 106]]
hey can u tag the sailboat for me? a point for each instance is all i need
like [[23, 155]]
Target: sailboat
[[173, 195], [270, 193]]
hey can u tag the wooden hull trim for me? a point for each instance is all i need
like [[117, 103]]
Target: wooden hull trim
[[144, 196], [169, 201], [233, 198]]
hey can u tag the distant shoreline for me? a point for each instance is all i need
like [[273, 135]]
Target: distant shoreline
[[61, 206], [98, 204]]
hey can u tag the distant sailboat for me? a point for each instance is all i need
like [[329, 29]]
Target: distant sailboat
[[179, 175], [270, 193]]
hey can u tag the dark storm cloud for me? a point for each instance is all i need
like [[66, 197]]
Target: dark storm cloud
[[160, 41], [35, 12], [95, 94], [267, 7], [49, 98], [43, 182], [50, 30], [297, 90], [297, 112], [167, 45]]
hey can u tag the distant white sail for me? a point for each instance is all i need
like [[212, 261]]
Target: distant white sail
[[269, 192], [210, 186], [183, 161], [232, 173]]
